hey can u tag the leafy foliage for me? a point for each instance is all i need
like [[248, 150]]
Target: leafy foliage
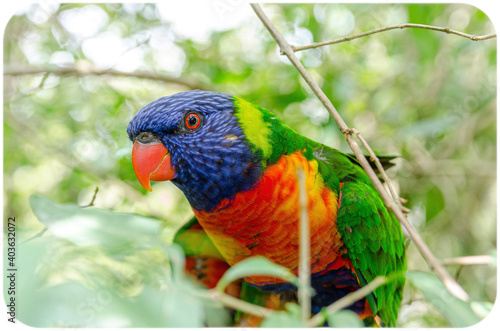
[[256, 266], [285, 319], [458, 312], [85, 227], [344, 319]]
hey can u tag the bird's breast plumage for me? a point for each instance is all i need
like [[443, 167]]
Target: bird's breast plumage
[[265, 220]]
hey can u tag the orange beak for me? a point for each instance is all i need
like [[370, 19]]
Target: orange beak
[[151, 162]]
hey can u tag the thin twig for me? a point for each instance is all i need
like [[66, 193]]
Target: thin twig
[[394, 27], [380, 168], [39, 234], [433, 262], [347, 300], [469, 260], [84, 71], [93, 198], [305, 249], [459, 270]]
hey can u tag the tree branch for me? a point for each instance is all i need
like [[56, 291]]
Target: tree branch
[[380, 168], [91, 203], [394, 27], [433, 262], [469, 260], [85, 71]]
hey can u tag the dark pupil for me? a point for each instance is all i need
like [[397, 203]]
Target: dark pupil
[[145, 137], [192, 120]]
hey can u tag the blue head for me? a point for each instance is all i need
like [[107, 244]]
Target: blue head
[[204, 144]]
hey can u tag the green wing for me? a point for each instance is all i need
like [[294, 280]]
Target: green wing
[[374, 242], [371, 234]]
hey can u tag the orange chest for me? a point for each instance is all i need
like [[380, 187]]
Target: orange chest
[[265, 220]]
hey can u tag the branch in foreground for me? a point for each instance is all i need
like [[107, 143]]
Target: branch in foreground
[[469, 260], [85, 71], [450, 283], [93, 198], [347, 300], [394, 27], [380, 168]]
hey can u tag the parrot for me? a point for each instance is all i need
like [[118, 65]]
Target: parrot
[[237, 163]]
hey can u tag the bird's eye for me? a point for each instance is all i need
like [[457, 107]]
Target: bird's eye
[[145, 137], [192, 121]]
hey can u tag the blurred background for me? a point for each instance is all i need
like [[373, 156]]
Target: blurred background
[[74, 75]]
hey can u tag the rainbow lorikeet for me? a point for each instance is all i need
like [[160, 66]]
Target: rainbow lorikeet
[[237, 163]]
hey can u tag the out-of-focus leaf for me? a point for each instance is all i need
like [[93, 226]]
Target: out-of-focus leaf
[[94, 226], [255, 266], [481, 308], [493, 255], [283, 319], [218, 317], [181, 309], [177, 260], [434, 204], [458, 313], [344, 319]]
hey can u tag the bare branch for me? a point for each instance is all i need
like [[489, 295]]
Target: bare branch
[[394, 27], [91, 203], [433, 262], [405, 210], [380, 168], [39, 234], [347, 300], [469, 260], [86, 71], [305, 249]]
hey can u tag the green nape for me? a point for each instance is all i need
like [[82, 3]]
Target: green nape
[[267, 135]]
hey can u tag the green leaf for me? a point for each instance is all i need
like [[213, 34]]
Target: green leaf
[[458, 313], [177, 260], [481, 308], [218, 317], [435, 203], [255, 266], [283, 319], [344, 319], [94, 226], [293, 309], [493, 254], [181, 309]]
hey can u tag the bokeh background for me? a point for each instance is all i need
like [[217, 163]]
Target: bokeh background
[[427, 97]]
